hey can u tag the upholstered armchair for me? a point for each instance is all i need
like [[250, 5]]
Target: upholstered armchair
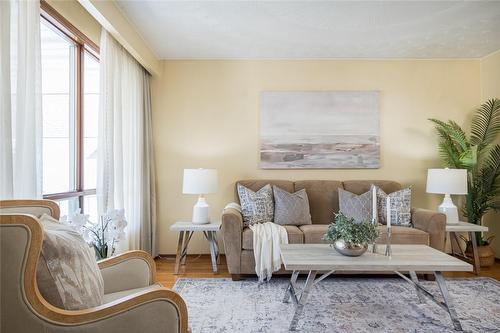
[[133, 302]]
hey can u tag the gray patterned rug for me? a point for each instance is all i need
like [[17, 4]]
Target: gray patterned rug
[[338, 304]]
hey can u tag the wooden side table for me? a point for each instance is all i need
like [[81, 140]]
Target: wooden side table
[[471, 229], [186, 231]]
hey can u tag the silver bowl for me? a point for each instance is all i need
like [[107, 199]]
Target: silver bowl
[[351, 250]]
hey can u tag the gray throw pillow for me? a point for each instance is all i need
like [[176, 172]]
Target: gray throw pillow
[[400, 207], [256, 207], [291, 208], [68, 276], [358, 207]]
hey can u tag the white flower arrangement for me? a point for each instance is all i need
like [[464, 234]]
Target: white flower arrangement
[[102, 236]]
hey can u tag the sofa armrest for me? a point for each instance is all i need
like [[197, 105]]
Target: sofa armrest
[[130, 270], [432, 222], [232, 229]]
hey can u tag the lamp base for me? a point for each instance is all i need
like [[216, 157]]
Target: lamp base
[[448, 208], [200, 211]]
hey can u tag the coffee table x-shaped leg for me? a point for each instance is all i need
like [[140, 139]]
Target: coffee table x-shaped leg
[[299, 295]]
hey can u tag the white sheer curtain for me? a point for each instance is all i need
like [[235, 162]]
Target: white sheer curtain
[[20, 100], [126, 174]]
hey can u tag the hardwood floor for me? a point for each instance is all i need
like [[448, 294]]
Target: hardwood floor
[[201, 267], [196, 267]]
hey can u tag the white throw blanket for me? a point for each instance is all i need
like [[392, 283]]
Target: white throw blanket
[[267, 238]]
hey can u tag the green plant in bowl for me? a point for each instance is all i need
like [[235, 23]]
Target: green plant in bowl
[[349, 237]]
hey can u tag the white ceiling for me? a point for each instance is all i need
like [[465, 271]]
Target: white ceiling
[[317, 29]]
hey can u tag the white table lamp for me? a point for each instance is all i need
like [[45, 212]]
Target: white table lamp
[[447, 181], [201, 182]]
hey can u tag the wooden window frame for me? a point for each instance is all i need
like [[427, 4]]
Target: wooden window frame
[[83, 45], [62, 24]]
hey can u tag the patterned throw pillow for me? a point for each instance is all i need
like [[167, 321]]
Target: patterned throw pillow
[[358, 207], [67, 273], [400, 207], [291, 208], [256, 207]]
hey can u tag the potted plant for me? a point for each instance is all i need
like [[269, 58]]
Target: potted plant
[[350, 238], [479, 153], [103, 235]]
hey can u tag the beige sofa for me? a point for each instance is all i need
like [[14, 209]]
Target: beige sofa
[[429, 226]]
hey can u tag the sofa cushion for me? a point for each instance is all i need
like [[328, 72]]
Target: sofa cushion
[[67, 273], [323, 198], [361, 186], [257, 184], [291, 208], [400, 207], [313, 233], [403, 235], [295, 236], [258, 206], [358, 207]]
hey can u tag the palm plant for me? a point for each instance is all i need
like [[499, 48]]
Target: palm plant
[[479, 153]]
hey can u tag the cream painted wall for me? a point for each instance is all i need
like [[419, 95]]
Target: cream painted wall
[[206, 114], [79, 17], [490, 76], [490, 88]]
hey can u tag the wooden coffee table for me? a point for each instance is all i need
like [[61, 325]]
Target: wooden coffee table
[[314, 258]]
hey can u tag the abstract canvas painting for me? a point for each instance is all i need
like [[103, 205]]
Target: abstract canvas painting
[[319, 129]]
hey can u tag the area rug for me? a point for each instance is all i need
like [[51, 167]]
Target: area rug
[[338, 304]]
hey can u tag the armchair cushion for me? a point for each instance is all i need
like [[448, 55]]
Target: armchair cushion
[[67, 273], [120, 294]]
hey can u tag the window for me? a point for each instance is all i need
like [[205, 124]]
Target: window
[[59, 114], [70, 104]]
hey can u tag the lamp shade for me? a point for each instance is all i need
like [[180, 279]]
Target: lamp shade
[[199, 181], [447, 181]]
